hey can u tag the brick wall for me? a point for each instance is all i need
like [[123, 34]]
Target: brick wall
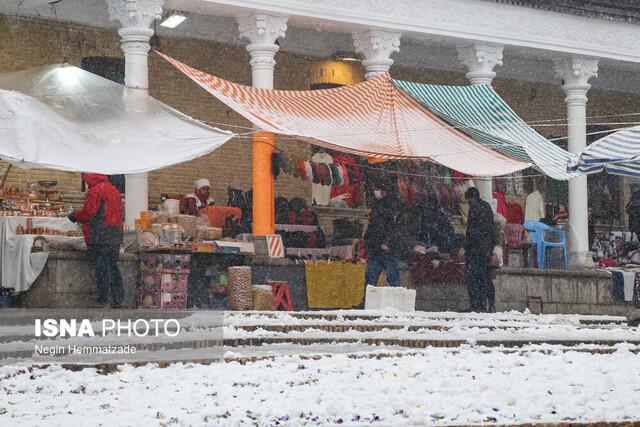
[[30, 42]]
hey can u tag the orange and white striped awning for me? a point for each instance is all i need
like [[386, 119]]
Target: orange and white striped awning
[[372, 119]]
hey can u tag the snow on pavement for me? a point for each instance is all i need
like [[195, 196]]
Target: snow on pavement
[[431, 386]]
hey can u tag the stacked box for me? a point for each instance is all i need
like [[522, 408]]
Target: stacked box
[[164, 280]]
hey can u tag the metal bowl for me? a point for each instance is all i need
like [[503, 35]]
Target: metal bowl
[[48, 183]]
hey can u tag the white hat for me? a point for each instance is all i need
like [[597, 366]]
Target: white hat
[[202, 182]]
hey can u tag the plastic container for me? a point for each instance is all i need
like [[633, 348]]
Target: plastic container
[[388, 297], [172, 207]]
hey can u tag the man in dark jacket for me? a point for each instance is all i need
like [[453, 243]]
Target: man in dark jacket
[[101, 217], [477, 249], [383, 239], [431, 226], [633, 210]]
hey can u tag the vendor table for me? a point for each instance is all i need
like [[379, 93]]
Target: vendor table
[[20, 267]]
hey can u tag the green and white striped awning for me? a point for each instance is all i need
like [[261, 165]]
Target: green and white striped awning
[[480, 112]]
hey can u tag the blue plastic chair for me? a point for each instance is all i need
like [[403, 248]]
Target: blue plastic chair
[[537, 230]]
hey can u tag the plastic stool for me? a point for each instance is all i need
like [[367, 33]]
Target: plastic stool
[[281, 295]]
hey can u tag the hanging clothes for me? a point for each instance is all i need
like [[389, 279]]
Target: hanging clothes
[[351, 180], [321, 188], [515, 215], [501, 203], [534, 208]]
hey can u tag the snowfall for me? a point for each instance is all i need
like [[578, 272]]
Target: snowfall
[[434, 386]]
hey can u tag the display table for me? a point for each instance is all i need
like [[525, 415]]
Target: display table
[[424, 272], [20, 267]]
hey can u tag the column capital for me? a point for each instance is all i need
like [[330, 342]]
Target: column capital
[[262, 31], [575, 73], [135, 14], [376, 46], [480, 58]]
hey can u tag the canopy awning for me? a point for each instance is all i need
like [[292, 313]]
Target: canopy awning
[[617, 153], [63, 117], [479, 111], [371, 119]]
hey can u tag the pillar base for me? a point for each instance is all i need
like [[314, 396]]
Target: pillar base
[[580, 260]]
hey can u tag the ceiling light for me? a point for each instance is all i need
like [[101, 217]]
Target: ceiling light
[[346, 56], [173, 20]]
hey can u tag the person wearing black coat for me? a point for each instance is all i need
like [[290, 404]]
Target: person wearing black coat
[[633, 210], [384, 237], [431, 226], [478, 247]]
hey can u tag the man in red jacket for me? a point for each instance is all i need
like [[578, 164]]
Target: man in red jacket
[[101, 217]]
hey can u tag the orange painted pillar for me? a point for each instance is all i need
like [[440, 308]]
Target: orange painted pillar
[[263, 184]]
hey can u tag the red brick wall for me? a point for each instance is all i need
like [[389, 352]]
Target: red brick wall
[[29, 43]]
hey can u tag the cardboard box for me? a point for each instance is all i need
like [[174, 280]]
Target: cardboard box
[[203, 247], [388, 297]]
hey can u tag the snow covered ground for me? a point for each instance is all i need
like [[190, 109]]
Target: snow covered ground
[[424, 387], [342, 377]]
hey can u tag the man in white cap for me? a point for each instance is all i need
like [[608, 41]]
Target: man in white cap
[[201, 193]]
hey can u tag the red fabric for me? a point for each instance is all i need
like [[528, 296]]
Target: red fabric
[[515, 215], [218, 214], [302, 170], [424, 272], [502, 203], [101, 191], [354, 197]]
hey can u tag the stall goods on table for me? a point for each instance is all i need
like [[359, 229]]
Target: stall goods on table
[[21, 267], [164, 281]]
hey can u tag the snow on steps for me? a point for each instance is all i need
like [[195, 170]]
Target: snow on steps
[[253, 335]]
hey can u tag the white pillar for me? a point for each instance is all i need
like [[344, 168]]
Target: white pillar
[[135, 16], [575, 73], [480, 58], [262, 31], [376, 47]]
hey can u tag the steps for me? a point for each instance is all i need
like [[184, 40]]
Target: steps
[[207, 336]]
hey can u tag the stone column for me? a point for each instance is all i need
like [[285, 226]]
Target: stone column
[[480, 58], [135, 16], [376, 47], [575, 73], [262, 31]]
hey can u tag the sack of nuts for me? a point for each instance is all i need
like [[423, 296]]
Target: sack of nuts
[[262, 298], [240, 288]]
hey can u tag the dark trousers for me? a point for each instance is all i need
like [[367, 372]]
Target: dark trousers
[[479, 283], [377, 263], [108, 278]]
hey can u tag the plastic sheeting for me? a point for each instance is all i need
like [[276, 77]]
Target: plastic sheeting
[[63, 117]]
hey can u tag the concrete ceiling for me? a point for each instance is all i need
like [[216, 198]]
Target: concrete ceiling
[[321, 38]]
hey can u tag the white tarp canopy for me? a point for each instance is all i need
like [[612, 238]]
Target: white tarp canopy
[[63, 117]]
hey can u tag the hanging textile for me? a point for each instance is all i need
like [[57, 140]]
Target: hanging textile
[[371, 119], [350, 187], [334, 284], [479, 111], [321, 191]]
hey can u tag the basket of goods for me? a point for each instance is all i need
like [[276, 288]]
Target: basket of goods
[[262, 298], [240, 288]]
